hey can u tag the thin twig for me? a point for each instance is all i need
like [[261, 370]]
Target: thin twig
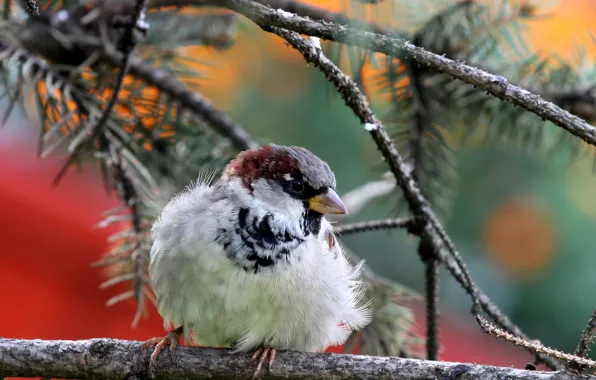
[[491, 309], [535, 347], [431, 277], [586, 340], [372, 225]]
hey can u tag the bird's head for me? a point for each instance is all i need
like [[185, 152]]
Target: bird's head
[[287, 179]]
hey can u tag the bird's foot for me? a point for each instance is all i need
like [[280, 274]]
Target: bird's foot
[[261, 354], [172, 339]]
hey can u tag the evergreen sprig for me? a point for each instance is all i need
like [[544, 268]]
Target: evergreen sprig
[[64, 78]]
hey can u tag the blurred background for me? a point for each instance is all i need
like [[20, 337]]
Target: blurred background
[[525, 223]]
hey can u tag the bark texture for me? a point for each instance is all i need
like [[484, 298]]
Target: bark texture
[[120, 359]]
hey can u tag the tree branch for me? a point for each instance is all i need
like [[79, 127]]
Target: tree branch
[[393, 46], [372, 225], [586, 340], [427, 254], [303, 9], [574, 101], [121, 359], [52, 49]]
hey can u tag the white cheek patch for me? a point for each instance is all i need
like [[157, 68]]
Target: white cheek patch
[[272, 198]]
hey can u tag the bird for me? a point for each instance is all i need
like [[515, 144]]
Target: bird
[[249, 261]]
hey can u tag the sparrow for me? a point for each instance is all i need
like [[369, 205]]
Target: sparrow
[[250, 262]]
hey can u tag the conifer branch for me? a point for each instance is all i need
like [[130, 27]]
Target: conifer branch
[[585, 342], [426, 252], [496, 85], [536, 346], [373, 225], [128, 44], [149, 74]]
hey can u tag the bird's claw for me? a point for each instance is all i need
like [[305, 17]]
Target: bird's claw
[[261, 354], [172, 339]]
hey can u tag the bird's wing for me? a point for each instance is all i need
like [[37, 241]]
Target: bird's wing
[[177, 244]]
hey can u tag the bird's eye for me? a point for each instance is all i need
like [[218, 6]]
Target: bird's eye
[[297, 186]]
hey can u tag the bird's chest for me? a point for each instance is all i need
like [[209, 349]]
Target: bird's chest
[[280, 303]]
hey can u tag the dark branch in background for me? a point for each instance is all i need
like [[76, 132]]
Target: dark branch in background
[[121, 359], [422, 121], [534, 346], [372, 225], [427, 254], [430, 228], [580, 103], [422, 116], [390, 45]]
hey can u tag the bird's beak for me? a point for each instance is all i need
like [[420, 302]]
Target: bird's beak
[[327, 203]]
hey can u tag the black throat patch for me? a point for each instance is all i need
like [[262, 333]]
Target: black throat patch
[[253, 244], [311, 221]]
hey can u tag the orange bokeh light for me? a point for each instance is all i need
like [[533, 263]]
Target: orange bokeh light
[[520, 237]]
